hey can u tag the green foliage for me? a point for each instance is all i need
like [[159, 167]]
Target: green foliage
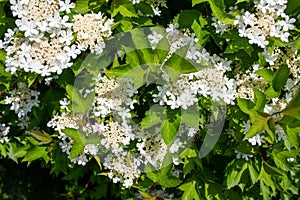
[[34, 166]]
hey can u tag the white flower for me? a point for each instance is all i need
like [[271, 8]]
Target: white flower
[[27, 26], [135, 1], [175, 161], [64, 103], [243, 155], [290, 159], [55, 20], [66, 37], [66, 6], [175, 146], [156, 10], [4, 130], [257, 139], [72, 51], [154, 39]]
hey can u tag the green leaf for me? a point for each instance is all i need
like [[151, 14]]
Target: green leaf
[[234, 177], [3, 151], [241, 1], [170, 129], [281, 161], [191, 116], [272, 93], [263, 175], [82, 6], [153, 117], [164, 177], [191, 157], [186, 18], [14, 152], [260, 122], [245, 105], [239, 44], [292, 6], [80, 104], [253, 173], [179, 64], [2, 55], [60, 162], [272, 170], [260, 100], [280, 77], [41, 136], [126, 10], [292, 135], [265, 191], [218, 9], [199, 30], [189, 191], [78, 144], [267, 74], [293, 108], [35, 153]]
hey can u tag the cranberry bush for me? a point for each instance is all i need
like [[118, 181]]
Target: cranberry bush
[[153, 99]]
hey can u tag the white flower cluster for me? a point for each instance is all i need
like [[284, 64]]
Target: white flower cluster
[[269, 20], [210, 81], [109, 121], [245, 156], [91, 30], [49, 43], [221, 28], [4, 130], [114, 95], [247, 81], [22, 100]]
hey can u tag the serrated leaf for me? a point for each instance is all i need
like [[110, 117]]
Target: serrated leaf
[[259, 122], [272, 170], [179, 64], [253, 173], [164, 177], [260, 100], [78, 144], [41, 136], [14, 152], [281, 162], [263, 175], [126, 10], [60, 162], [189, 191], [280, 77], [201, 34], [234, 177], [35, 153]]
